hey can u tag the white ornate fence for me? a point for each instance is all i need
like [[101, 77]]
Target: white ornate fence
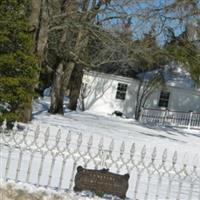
[[171, 118], [38, 158]]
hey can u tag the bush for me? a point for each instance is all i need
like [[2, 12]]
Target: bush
[[18, 64]]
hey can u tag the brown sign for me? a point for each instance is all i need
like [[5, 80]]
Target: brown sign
[[101, 182]]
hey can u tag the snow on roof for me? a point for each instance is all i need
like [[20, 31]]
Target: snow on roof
[[173, 74]]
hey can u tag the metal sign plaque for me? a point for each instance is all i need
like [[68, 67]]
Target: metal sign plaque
[[101, 182]]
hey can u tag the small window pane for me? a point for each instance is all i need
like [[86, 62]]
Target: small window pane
[[121, 91], [164, 99]]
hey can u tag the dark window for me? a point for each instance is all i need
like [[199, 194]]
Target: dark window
[[121, 91], [164, 99]]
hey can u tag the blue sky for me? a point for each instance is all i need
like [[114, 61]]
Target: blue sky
[[140, 27]]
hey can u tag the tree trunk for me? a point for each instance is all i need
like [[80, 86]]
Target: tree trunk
[[39, 22], [81, 43], [57, 92], [75, 54], [60, 82], [137, 112], [25, 111], [75, 86]]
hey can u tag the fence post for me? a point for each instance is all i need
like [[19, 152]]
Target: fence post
[[190, 120]]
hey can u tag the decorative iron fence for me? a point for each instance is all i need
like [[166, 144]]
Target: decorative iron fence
[[50, 160], [171, 118]]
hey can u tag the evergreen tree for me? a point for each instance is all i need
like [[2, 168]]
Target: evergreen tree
[[18, 64]]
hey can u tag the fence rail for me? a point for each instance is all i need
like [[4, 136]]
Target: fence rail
[[171, 118], [42, 159]]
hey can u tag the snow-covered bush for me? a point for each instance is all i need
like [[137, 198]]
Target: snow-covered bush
[[19, 191]]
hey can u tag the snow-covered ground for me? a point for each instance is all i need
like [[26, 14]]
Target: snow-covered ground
[[185, 142]]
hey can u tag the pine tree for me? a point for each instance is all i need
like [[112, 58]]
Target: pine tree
[[18, 64]]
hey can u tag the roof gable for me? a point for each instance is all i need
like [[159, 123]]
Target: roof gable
[[174, 75]]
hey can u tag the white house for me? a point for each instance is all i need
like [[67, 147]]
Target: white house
[[180, 94], [108, 93]]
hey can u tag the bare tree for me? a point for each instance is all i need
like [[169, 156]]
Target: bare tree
[[72, 24], [68, 43], [146, 88]]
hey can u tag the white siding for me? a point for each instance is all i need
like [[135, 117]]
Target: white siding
[[180, 100], [102, 94], [184, 100], [103, 87]]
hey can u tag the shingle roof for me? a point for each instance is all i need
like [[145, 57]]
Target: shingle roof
[[118, 69]]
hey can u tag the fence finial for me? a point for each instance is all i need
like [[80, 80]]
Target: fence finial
[[132, 151], [122, 148], [37, 132], [111, 147], [174, 159], [25, 133], [164, 156], [101, 144], [143, 152], [154, 153], [46, 135], [58, 136], [79, 141], [90, 142], [68, 139]]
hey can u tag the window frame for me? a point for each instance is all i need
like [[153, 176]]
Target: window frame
[[121, 91], [164, 99]]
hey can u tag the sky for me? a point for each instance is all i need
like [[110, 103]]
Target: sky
[[139, 10]]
